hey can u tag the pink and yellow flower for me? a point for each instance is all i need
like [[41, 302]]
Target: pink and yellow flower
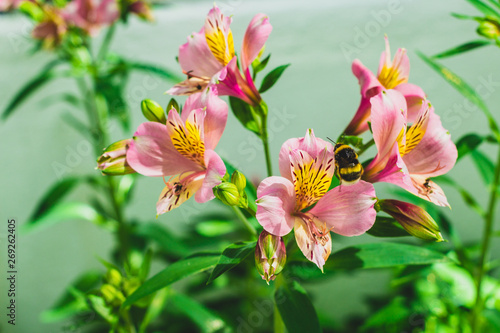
[[409, 156], [284, 203], [91, 15], [209, 58], [183, 149], [391, 75], [51, 29]]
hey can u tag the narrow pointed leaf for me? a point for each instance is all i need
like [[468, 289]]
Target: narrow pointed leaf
[[380, 255], [468, 143], [484, 165], [465, 89], [272, 77], [484, 8], [55, 194], [155, 70], [242, 111], [173, 273], [205, 319], [296, 308], [463, 48], [48, 73], [230, 257], [65, 211]]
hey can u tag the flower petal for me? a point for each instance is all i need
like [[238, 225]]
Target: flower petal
[[388, 118], [256, 35], [188, 138], [213, 176], [347, 209], [215, 117], [152, 153], [370, 86], [316, 248], [218, 35], [428, 190], [436, 154], [174, 194], [275, 204], [392, 73], [309, 143], [414, 96], [359, 122], [196, 59], [234, 84]]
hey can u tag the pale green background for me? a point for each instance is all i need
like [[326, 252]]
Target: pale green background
[[318, 91]]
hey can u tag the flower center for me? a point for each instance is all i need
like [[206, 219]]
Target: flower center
[[408, 140], [188, 142]]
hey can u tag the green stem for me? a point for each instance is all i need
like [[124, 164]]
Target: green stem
[[366, 146], [243, 219], [103, 51], [265, 142], [487, 233], [279, 325]]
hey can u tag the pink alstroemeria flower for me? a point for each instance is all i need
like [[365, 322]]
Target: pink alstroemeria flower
[[183, 150], [91, 15], [307, 167], [409, 157], [208, 57], [51, 28], [391, 75]]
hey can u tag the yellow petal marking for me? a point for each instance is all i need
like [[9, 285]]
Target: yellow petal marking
[[311, 179], [416, 132], [188, 142]]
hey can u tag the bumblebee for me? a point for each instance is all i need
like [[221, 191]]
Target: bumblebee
[[347, 167]]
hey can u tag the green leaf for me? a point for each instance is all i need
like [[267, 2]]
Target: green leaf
[[483, 8], [272, 77], [381, 255], [466, 90], [244, 113], [173, 273], [260, 65], [206, 320], [230, 257], [48, 73], [466, 17], [69, 305], [163, 237], [63, 212], [296, 308], [468, 143], [387, 227], [155, 308], [215, 228], [484, 165], [463, 48], [154, 69], [52, 197], [466, 196], [391, 315]]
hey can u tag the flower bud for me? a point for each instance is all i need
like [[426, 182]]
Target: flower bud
[[227, 193], [153, 111], [489, 29], [270, 255], [141, 9], [413, 219], [238, 179], [112, 295], [113, 277], [113, 161]]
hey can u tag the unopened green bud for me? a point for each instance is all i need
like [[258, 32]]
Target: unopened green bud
[[173, 105], [153, 111], [131, 285], [413, 219], [270, 255], [227, 193], [113, 161], [113, 277], [112, 295], [238, 179], [489, 29]]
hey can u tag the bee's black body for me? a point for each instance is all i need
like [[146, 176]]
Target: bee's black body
[[348, 168]]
